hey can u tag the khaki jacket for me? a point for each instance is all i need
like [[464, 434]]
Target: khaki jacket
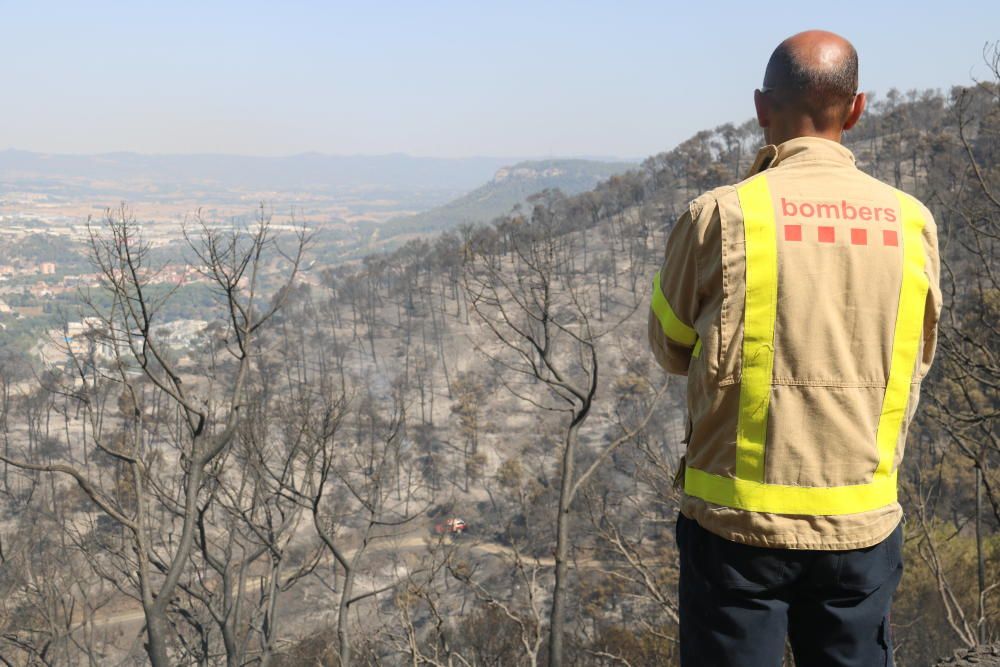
[[840, 267]]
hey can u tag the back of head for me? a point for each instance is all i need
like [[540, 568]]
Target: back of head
[[814, 73]]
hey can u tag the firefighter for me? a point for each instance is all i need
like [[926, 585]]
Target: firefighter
[[802, 304]]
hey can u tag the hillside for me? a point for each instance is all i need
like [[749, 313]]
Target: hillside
[[445, 380], [592, 255], [510, 186]]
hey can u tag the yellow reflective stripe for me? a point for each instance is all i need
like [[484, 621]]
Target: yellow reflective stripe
[[672, 327], [785, 499], [906, 335], [747, 489], [696, 353], [758, 327]]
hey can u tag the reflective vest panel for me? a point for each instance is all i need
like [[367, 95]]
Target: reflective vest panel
[[747, 489]]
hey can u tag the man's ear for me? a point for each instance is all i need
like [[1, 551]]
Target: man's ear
[[857, 108], [762, 107]]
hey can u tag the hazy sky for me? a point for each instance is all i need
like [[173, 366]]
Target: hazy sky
[[434, 78]]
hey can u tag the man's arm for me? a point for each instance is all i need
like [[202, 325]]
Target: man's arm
[[674, 303], [932, 308]]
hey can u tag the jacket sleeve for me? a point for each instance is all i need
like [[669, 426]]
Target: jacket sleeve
[[674, 302], [932, 308]]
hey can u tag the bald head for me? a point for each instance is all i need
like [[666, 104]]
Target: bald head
[[814, 73]]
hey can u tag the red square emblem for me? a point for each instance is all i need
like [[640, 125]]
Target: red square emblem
[[859, 236], [826, 234], [889, 237], [793, 232]]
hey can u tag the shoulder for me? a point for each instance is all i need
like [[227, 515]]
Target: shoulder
[[701, 221], [705, 207], [929, 224]]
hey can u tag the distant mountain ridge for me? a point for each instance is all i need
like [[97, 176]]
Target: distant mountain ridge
[[510, 185], [305, 171]]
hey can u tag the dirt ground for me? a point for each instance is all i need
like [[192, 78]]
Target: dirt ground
[[981, 656]]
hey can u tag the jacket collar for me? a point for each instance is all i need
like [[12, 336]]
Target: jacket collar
[[801, 149]]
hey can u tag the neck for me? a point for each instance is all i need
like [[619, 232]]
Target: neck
[[779, 133]]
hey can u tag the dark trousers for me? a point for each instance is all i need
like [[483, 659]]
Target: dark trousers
[[738, 602]]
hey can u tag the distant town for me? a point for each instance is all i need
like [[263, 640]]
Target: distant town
[[50, 205]]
